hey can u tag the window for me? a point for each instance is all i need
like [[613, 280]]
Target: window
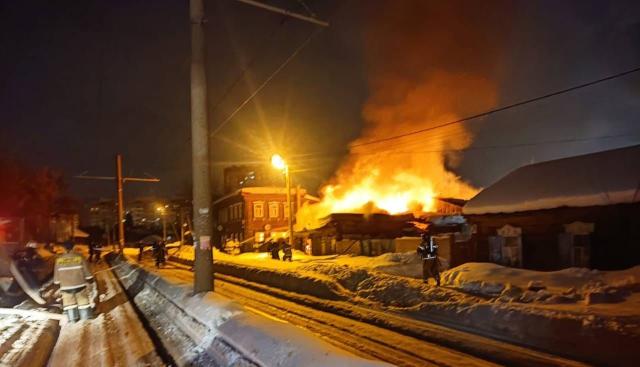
[[236, 211], [222, 215], [258, 209], [259, 236], [286, 210], [274, 209]]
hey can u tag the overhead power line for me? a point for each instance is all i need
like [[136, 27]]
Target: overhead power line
[[487, 113], [266, 81], [483, 147], [515, 145]]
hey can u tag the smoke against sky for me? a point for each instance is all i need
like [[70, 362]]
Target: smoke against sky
[[82, 82], [427, 63]]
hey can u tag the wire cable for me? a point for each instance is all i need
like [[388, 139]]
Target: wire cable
[[267, 80], [500, 109]]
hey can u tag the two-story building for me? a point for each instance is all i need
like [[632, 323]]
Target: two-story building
[[251, 215]]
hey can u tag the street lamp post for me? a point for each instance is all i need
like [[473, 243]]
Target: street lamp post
[[278, 162], [164, 222]]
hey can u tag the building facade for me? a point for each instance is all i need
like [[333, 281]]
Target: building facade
[[249, 216]]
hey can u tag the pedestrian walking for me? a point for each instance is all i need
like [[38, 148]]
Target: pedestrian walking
[[428, 251], [71, 274], [159, 252]]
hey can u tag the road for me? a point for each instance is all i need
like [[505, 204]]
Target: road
[[349, 330]]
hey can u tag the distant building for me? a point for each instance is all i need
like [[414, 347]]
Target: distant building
[[250, 215], [102, 213], [148, 211], [238, 177], [581, 211]]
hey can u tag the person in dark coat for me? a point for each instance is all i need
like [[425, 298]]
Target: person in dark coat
[[274, 248], [287, 250], [159, 253], [428, 251]]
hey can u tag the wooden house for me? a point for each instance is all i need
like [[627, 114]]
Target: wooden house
[[580, 211]]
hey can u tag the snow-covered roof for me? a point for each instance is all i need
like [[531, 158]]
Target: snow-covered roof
[[603, 178]]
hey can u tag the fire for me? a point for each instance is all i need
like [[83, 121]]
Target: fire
[[422, 73], [401, 193]]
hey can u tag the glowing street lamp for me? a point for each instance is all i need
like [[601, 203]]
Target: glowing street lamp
[[278, 162], [161, 210]]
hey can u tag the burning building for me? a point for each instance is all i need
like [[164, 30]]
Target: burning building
[[422, 72]]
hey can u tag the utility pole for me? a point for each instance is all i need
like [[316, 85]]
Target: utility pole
[[287, 177], [203, 264], [119, 188], [120, 202], [201, 232]]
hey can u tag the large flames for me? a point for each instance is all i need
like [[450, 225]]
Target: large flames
[[422, 72], [402, 193]]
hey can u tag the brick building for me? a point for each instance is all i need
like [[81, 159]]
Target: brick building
[[252, 214]]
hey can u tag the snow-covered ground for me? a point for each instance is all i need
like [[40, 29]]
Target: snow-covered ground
[[209, 328], [590, 315], [26, 337], [115, 337]]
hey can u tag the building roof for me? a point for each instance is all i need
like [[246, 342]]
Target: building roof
[[603, 178]]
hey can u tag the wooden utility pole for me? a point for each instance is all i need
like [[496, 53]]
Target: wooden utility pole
[[119, 183], [203, 264], [119, 188], [201, 231]]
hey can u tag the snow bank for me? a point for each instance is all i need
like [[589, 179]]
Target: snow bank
[[564, 286], [580, 313], [209, 329]]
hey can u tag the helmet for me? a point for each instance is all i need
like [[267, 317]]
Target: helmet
[[425, 237], [68, 245]]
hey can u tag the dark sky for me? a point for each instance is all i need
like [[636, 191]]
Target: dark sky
[[81, 81]]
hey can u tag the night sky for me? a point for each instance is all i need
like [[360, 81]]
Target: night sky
[[81, 81]]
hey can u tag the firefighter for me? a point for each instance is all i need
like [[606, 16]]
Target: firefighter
[[428, 251], [71, 274], [287, 251]]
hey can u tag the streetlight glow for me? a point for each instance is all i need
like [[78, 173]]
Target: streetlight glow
[[278, 162]]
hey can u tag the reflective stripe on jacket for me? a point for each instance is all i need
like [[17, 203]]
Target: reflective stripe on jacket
[[71, 271]]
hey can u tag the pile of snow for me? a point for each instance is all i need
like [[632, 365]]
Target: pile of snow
[[564, 286]]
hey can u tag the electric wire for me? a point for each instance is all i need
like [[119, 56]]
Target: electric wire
[[500, 109], [266, 81]]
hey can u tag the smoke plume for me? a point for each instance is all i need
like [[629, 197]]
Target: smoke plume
[[428, 62]]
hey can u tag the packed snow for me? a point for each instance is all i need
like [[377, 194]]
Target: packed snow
[[518, 305], [215, 328]]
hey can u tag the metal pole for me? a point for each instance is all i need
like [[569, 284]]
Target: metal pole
[[203, 264], [120, 202], [164, 226], [290, 219]]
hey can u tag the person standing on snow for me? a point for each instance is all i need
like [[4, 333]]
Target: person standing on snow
[[287, 251], [428, 251], [71, 274], [159, 250], [274, 248]]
